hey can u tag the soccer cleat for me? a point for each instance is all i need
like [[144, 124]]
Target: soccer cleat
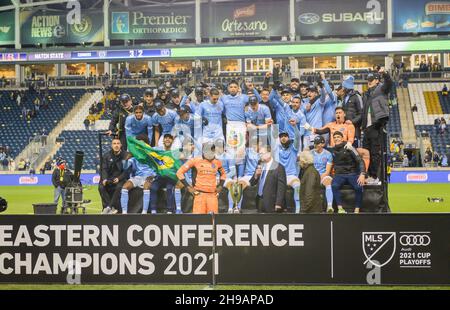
[[169, 212], [179, 212], [330, 210], [342, 211], [114, 211], [153, 211], [106, 210], [236, 211], [230, 211]]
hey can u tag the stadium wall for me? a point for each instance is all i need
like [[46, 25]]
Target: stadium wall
[[406, 176]]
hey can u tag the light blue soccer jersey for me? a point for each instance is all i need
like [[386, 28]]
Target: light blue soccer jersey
[[134, 127], [287, 157], [167, 121], [213, 113], [139, 169], [251, 161], [322, 160]]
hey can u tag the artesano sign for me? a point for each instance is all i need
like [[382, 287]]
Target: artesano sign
[[174, 23], [244, 19]]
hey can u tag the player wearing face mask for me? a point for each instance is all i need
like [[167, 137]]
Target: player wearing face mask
[[206, 189]]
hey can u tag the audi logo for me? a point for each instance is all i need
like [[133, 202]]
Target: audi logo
[[420, 240]]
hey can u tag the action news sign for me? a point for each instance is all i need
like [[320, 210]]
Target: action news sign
[[47, 27], [352, 249], [245, 19], [340, 18]]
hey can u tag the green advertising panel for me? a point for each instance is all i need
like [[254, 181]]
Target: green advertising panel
[[7, 30], [153, 24], [48, 27]]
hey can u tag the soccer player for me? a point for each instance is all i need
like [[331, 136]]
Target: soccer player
[[117, 124], [323, 162], [206, 189], [347, 129], [281, 106], [287, 156], [210, 112], [141, 176], [184, 124], [234, 169], [165, 118], [163, 181], [296, 120], [175, 100], [234, 104], [139, 123], [329, 98], [348, 133], [258, 117], [313, 111], [148, 104]]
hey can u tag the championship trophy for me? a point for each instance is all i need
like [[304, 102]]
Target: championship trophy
[[236, 195]]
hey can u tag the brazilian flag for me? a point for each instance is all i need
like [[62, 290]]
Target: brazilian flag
[[165, 163]]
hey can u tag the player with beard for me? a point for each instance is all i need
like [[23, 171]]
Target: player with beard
[[165, 182], [295, 86], [166, 119], [348, 133], [117, 124], [234, 105], [304, 92], [148, 103], [175, 101], [258, 119], [210, 112], [349, 169], [313, 111], [141, 176], [287, 156], [139, 123], [193, 103], [323, 162], [297, 120], [163, 94]]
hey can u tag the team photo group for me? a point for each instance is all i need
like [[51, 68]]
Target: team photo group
[[314, 138]]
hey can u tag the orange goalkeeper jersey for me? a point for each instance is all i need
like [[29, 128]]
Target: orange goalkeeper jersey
[[205, 180], [347, 130]]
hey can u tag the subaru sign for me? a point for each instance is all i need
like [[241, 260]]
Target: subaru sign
[[329, 18]]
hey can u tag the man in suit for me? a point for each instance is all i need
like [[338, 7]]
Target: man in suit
[[270, 178]]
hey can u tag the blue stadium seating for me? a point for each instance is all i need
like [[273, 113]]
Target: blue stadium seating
[[438, 141], [394, 125], [445, 103], [82, 140], [16, 131]]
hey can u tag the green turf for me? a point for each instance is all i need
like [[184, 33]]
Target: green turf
[[402, 198]]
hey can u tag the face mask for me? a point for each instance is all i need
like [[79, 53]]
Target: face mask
[[209, 156]]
